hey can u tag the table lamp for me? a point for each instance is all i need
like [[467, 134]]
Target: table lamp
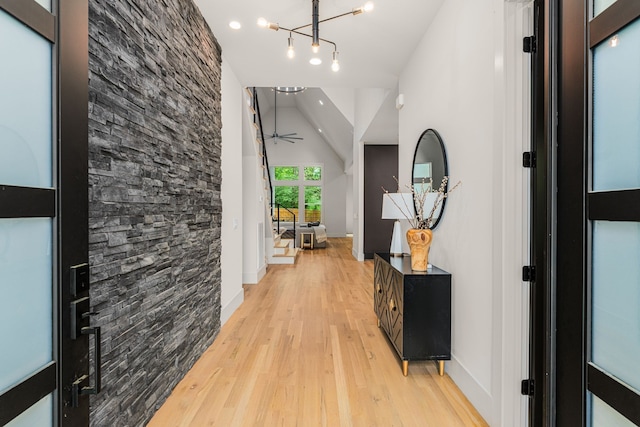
[[397, 206]]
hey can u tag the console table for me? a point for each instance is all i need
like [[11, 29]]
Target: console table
[[414, 309]]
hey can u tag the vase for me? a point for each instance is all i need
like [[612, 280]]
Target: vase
[[419, 241]]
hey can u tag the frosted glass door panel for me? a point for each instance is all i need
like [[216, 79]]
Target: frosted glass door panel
[[603, 415], [615, 299], [25, 106], [600, 5], [26, 312], [616, 111], [40, 415]]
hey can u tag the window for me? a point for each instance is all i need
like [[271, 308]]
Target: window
[[289, 185]]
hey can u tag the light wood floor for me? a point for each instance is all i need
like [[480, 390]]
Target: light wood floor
[[304, 349]]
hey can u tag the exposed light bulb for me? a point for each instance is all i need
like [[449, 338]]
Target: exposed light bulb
[[235, 25], [335, 65], [368, 6], [315, 61], [290, 52], [320, 101], [262, 22], [315, 48]]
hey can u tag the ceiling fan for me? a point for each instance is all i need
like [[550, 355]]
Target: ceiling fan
[[289, 137]]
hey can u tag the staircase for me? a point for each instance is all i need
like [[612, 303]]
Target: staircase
[[278, 250]]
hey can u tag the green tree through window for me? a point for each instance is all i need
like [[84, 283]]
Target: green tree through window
[[286, 173], [287, 196], [289, 188], [312, 173]]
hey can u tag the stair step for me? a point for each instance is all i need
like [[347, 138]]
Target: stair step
[[253, 110], [249, 92], [289, 257], [283, 243], [282, 246], [255, 125]]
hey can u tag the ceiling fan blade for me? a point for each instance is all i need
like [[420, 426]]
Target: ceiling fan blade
[[289, 140], [289, 134]]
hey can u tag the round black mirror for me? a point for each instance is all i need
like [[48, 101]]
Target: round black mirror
[[429, 168]]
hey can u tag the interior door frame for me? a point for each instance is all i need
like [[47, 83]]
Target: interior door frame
[[543, 215], [67, 28]]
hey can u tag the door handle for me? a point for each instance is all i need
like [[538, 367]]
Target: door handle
[[97, 370], [77, 389]]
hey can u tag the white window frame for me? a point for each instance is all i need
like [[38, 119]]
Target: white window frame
[[301, 183]]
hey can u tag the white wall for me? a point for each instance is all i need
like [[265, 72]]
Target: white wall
[[312, 150], [253, 199], [367, 105], [344, 100], [454, 83], [349, 204], [232, 293]]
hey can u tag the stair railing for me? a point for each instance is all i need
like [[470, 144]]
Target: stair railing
[[265, 160], [278, 207], [257, 118]]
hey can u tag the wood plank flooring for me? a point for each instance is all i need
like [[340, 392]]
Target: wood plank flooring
[[304, 349]]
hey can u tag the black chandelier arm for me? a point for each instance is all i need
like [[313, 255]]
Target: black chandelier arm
[[324, 20], [335, 47]]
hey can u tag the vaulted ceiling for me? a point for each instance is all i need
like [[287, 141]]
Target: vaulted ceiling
[[373, 47]]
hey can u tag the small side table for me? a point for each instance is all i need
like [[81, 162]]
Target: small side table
[[306, 239]]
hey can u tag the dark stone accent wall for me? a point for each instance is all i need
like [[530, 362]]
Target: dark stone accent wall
[[155, 209]]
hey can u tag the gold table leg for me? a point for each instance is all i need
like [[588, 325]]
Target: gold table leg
[[405, 367], [441, 367], [379, 323]]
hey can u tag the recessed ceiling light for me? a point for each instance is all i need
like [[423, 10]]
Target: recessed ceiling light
[[315, 61], [235, 25], [320, 101], [290, 89]]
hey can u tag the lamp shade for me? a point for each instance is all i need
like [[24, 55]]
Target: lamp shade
[[397, 206]]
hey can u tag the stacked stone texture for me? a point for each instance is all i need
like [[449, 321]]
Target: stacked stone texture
[[155, 209]]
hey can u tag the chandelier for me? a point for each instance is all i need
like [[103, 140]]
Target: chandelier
[[315, 32]]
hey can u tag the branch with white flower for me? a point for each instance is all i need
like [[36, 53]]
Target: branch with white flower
[[420, 196]]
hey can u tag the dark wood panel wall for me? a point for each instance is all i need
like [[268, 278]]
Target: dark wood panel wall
[[380, 166]]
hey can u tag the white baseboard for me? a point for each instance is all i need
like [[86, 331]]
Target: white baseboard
[[254, 277], [479, 397], [231, 307], [250, 277], [330, 235], [262, 272], [356, 255]]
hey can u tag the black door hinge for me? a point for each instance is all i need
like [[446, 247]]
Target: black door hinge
[[529, 44], [529, 159], [526, 388], [528, 273]]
